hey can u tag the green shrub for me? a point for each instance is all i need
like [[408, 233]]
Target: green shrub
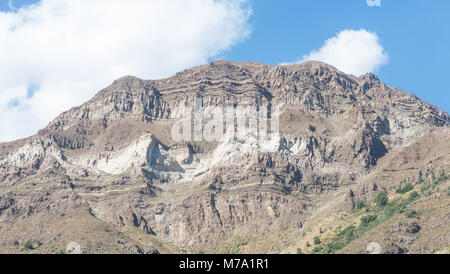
[[334, 246], [317, 249], [411, 214], [341, 240], [359, 204], [413, 196], [398, 206], [441, 179], [308, 244], [347, 233], [448, 191], [395, 207], [299, 251], [317, 240], [402, 190], [425, 187], [28, 245], [365, 220], [381, 199]]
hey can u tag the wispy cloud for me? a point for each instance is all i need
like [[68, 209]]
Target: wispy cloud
[[374, 3], [59, 53], [11, 5], [351, 51]]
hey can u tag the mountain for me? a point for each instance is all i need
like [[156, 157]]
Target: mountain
[[349, 165]]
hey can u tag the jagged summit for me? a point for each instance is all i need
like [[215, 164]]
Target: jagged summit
[[229, 69], [312, 85], [369, 77]]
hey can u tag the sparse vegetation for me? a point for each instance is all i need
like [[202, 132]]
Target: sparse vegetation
[[427, 189], [381, 199], [37, 243], [413, 196], [402, 190], [360, 204], [317, 249], [340, 241], [384, 210], [420, 180], [441, 179], [299, 251], [411, 214], [28, 245], [398, 206], [365, 220], [237, 243], [317, 240], [431, 187]]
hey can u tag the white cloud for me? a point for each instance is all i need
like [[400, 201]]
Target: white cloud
[[59, 53], [374, 3], [351, 51]]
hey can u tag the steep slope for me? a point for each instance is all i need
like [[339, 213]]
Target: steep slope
[[415, 218], [115, 160]]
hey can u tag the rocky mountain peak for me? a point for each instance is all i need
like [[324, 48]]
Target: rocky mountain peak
[[370, 77], [115, 158]]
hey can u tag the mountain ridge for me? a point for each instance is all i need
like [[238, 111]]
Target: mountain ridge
[[113, 160], [365, 81]]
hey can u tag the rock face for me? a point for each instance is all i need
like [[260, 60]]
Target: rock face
[[114, 156]]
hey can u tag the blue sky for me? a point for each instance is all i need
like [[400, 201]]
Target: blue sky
[[5, 4], [61, 61], [415, 34]]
